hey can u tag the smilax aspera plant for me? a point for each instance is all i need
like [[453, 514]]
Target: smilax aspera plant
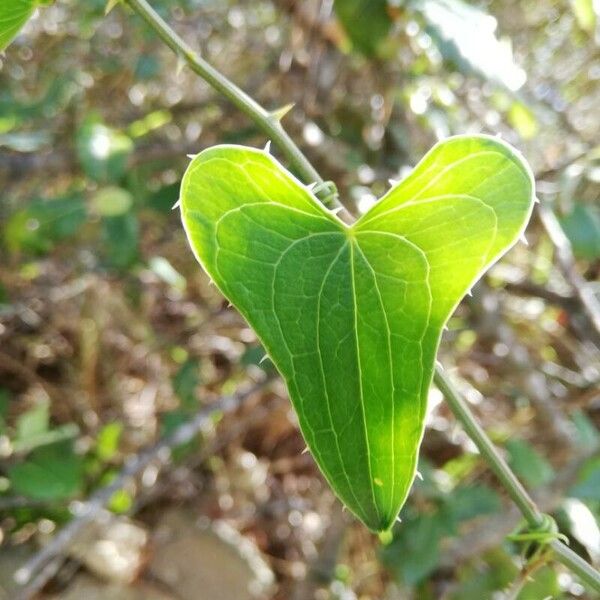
[[352, 314]]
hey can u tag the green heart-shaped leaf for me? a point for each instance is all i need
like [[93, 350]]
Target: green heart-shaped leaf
[[352, 315]]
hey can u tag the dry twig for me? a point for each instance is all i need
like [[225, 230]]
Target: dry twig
[[45, 564]]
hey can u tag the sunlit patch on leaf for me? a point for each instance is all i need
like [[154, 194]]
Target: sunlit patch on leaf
[[13, 15]]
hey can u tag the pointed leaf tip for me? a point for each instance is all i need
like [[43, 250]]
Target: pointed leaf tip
[[386, 537]]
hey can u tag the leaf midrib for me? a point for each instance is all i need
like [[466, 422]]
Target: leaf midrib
[[322, 369], [391, 369], [351, 242]]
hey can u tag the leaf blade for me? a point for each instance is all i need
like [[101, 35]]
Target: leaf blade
[[320, 293]]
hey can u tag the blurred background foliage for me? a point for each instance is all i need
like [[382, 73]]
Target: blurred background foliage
[[111, 336]]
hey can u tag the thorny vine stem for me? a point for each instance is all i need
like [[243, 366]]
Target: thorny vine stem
[[270, 124]]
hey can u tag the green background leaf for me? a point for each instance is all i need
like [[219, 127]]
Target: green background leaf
[[528, 464], [49, 473], [352, 315], [366, 22], [582, 227], [36, 228], [121, 234], [415, 550]]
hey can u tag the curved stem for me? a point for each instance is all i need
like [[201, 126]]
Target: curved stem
[[266, 121], [269, 123], [509, 480], [573, 561], [511, 484]]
